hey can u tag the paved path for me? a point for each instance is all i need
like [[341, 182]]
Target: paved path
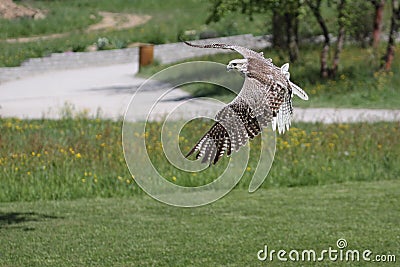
[[91, 90], [332, 115], [110, 89], [45, 95], [44, 89]]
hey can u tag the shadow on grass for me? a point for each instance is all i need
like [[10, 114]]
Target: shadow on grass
[[15, 218]]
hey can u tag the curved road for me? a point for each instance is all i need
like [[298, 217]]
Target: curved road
[[108, 90]]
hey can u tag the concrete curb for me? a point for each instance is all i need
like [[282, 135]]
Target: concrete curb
[[165, 54]]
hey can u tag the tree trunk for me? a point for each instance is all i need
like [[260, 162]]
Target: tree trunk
[[316, 9], [378, 18], [291, 36], [278, 31], [324, 72], [394, 26], [340, 39]]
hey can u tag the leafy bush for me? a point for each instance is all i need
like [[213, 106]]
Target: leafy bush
[[103, 43]]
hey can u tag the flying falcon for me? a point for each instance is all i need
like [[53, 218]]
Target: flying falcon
[[265, 97]]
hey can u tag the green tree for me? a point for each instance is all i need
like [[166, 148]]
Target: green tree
[[360, 26], [378, 19], [284, 19], [342, 20], [394, 27]]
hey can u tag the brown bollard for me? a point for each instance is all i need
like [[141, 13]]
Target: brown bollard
[[146, 54]]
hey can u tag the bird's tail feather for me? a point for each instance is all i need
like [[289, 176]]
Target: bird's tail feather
[[212, 145], [298, 91]]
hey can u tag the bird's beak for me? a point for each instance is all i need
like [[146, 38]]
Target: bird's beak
[[229, 68]]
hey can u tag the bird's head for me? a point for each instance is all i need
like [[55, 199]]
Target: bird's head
[[236, 64]]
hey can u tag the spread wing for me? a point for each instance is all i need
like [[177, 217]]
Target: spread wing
[[234, 126], [265, 97], [245, 52], [241, 120]]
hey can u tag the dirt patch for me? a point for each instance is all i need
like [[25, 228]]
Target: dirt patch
[[118, 21], [10, 10], [109, 21]]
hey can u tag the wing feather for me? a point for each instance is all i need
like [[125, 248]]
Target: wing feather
[[265, 97], [245, 52]]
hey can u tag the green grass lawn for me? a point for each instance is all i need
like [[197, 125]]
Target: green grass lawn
[[139, 231]]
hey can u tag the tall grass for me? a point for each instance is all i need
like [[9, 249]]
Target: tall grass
[[81, 157], [309, 154], [48, 159]]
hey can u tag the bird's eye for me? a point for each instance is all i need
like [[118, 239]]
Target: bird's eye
[[234, 64]]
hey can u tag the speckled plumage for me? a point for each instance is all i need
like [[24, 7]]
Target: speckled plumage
[[264, 98]]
